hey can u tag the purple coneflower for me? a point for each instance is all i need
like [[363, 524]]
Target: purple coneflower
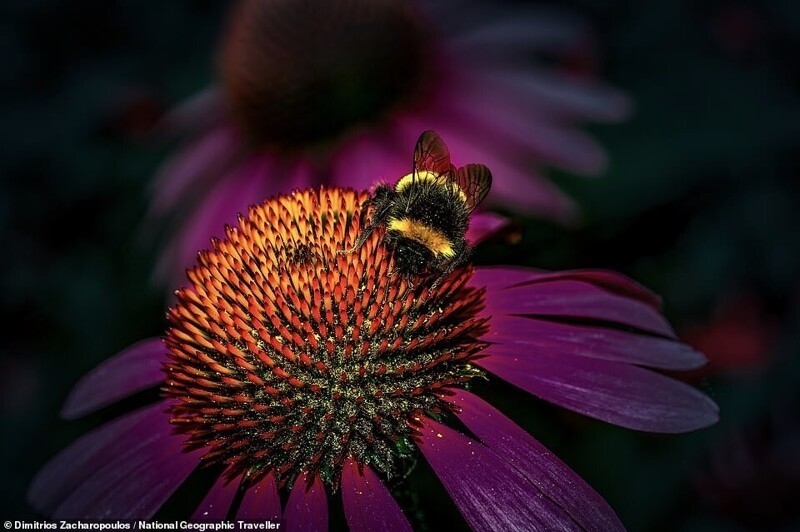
[[327, 91], [297, 371]]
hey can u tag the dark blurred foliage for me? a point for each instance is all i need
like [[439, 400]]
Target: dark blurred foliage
[[699, 203]]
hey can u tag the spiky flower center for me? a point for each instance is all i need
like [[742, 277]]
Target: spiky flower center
[[297, 72], [288, 356]]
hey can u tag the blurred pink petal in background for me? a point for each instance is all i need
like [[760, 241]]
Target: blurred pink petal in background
[[336, 92]]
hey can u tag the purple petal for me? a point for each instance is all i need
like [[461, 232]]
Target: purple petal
[[563, 96], [199, 112], [621, 394], [307, 508], [556, 481], [612, 281], [490, 493], [261, 502], [519, 31], [537, 135], [373, 158], [368, 505], [485, 224], [140, 472], [217, 503], [528, 337], [73, 465], [136, 489], [234, 193], [577, 299], [519, 187], [499, 277], [232, 196], [132, 370], [206, 157], [482, 39]]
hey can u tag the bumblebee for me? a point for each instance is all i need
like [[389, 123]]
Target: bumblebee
[[426, 213]]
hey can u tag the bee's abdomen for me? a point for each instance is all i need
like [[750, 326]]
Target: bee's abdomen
[[430, 237]]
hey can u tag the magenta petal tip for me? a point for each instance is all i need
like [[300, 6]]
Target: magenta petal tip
[[132, 370], [368, 505]]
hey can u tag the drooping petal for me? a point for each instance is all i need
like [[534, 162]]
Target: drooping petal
[[532, 132], [621, 394], [132, 370], [230, 197], [368, 505], [526, 191], [89, 453], [551, 476], [201, 160], [197, 113], [483, 225], [240, 188], [564, 96], [261, 502], [500, 277], [369, 159], [135, 489], [529, 337], [518, 32], [491, 493], [613, 282], [307, 508], [217, 503], [144, 471], [609, 280], [576, 299]]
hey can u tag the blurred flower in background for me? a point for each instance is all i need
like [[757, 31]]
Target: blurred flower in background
[[290, 365], [753, 475], [329, 91], [131, 114], [739, 338]]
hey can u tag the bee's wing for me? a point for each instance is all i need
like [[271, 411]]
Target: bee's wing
[[431, 154], [475, 180]]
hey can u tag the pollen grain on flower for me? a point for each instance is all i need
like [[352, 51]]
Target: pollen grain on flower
[[288, 356]]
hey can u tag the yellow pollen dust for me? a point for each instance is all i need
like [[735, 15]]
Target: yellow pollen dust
[[426, 176], [427, 236]]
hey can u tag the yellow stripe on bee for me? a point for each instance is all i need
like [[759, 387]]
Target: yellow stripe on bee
[[431, 238], [424, 175]]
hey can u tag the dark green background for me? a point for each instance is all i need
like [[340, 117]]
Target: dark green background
[[700, 203]]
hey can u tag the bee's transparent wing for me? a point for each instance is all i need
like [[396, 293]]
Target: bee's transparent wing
[[431, 154], [475, 180]]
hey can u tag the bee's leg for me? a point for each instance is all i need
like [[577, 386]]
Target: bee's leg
[[462, 256], [381, 213], [362, 217], [360, 240], [381, 201], [448, 269]]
